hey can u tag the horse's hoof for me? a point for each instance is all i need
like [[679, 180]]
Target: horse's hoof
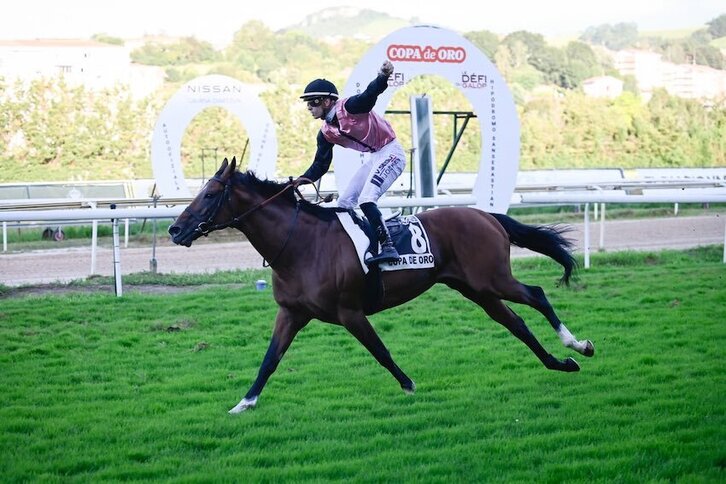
[[244, 404], [589, 349], [570, 365], [409, 390]]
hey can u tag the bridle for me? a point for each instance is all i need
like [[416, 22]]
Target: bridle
[[207, 226]]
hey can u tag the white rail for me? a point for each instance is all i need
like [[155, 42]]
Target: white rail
[[593, 194]]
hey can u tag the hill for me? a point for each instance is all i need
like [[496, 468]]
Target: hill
[[340, 22]]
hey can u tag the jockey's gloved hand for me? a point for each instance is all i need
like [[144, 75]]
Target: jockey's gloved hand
[[386, 69]]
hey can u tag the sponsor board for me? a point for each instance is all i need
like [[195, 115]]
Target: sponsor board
[[427, 50], [195, 96]]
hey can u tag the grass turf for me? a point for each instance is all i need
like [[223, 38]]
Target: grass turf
[[96, 387]]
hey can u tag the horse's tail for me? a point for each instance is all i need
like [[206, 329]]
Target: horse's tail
[[545, 239]]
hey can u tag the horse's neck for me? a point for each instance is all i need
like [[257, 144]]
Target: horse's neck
[[275, 231]]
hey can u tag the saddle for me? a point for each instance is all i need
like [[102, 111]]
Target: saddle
[[410, 239], [393, 224]]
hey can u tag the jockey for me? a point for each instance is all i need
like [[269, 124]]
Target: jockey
[[353, 124]]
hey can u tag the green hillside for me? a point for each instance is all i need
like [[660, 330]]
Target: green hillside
[[340, 22]]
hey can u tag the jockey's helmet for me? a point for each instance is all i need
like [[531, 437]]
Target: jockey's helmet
[[319, 88]]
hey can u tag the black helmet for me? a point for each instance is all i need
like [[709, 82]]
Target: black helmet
[[320, 88]]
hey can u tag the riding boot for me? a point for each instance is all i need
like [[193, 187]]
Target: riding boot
[[388, 252]]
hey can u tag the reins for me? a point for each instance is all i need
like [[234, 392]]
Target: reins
[[205, 227]]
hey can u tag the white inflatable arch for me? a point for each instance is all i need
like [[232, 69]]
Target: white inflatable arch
[[421, 50], [195, 96]]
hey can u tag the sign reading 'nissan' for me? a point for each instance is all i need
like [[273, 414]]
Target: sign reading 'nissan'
[[195, 96]]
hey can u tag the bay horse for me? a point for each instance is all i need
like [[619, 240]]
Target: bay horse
[[316, 272]]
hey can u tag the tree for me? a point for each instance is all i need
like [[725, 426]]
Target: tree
[[107, 39], [552, 62], [534, 42], [581, 63], [701, 36], [250, 43], [630, 84], [60, 132], [614, 37], [717, 26], [188, 50], [710, 56], [485, 40], [280, 57], [53, 131], [695, 49]]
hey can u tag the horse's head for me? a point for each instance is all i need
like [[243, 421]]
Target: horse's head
[[209, 209]]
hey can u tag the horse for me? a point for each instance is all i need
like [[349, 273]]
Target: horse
[[316, 273]]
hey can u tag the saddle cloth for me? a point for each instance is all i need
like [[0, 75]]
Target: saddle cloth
[[408, 235]]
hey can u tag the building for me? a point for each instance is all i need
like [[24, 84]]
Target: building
[[87, 63], [603, 86], [694, 81], [683, 80], [644, 66]]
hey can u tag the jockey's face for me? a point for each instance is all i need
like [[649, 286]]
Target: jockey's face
[[319, 106]]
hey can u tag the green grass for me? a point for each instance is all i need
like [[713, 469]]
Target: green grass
[[574, 213], [96, 387], [719, 43]]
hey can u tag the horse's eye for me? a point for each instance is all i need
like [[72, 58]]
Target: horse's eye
[[209, 195]]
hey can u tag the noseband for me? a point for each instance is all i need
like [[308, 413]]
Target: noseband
[[207, 226]]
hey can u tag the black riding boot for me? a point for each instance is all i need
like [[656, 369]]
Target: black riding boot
[[388, 252]]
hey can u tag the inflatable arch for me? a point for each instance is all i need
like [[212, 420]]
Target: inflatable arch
[[195, 96], [420, 50]]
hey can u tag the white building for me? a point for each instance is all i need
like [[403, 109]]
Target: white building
[[682, 80], [603, 86], [92, 64], [646, 67], [694, 81]]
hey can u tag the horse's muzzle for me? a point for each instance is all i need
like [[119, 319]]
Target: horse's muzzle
[[177, 236]]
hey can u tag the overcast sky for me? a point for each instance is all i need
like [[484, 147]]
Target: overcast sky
[[217, 20]]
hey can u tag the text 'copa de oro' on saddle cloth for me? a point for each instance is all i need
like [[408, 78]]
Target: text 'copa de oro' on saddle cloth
[[408, 235]]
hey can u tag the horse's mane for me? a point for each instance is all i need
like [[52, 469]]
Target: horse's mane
[[270, 188]]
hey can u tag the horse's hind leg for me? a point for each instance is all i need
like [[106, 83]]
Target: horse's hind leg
[[535, 297], [499, 312], [540, 303]]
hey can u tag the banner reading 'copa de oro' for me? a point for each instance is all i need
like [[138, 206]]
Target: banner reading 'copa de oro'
[[195, 96], [421, 50]]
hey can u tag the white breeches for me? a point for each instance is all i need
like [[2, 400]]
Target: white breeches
[[375, 176]]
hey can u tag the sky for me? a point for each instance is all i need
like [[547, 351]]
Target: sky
[[217, 20]]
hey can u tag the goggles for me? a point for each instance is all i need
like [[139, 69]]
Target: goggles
[[314, 102]]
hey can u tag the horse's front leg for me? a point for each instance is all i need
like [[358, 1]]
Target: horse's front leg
[[287, 325], [359, 326]]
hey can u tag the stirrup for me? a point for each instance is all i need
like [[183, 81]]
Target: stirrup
[[387, 254]]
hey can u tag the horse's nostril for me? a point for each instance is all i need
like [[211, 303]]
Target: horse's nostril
[[174, 230]]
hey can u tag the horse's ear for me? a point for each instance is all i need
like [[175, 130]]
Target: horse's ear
[[228, 169], [222, 167]]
